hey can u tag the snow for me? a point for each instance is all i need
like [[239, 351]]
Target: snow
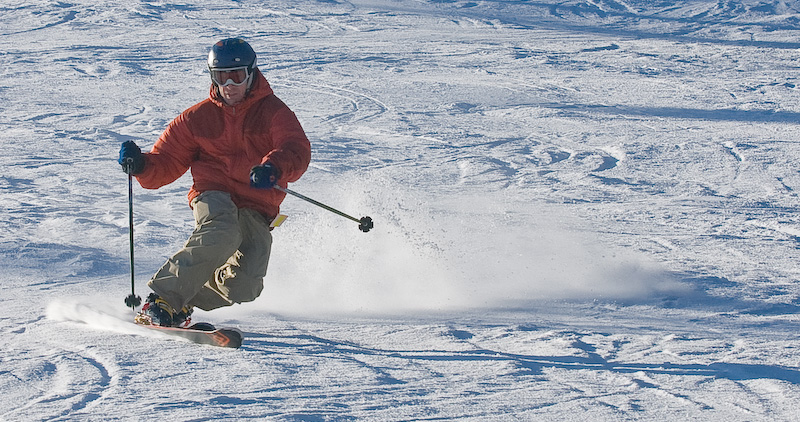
[[584, 210]]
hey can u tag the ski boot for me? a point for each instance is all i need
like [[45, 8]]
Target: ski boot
[[156, 311]]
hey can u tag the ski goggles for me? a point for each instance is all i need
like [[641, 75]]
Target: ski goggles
[[232, 76]]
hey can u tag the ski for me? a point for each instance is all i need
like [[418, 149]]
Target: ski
[[203, 333]]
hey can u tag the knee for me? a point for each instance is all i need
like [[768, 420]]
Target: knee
[[247, 292]]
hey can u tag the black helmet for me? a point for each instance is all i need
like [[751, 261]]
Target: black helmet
[[231, 53]]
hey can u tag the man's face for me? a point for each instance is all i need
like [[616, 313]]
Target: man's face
[[232, 83], [233, 94]]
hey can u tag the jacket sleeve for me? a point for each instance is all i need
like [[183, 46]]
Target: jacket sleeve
[[170, 157], [292, 153]]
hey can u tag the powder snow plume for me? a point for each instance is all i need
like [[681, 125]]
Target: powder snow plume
[[424, 254], [97, 316]]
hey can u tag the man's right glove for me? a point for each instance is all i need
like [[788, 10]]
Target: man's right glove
[[131, 158], [264, 176]]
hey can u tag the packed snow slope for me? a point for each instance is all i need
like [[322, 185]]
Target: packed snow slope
[[584, 210]]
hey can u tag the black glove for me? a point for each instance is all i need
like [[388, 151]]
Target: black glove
[[131, 158], [264, 176]]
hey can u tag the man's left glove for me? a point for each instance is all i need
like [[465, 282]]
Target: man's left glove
[[131, 158], [264, 176]]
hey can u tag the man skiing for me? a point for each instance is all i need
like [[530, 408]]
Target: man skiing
[[239, 143]]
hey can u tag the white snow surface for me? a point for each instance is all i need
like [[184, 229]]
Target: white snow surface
[[584, 210]]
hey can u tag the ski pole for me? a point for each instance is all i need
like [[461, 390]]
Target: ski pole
[[364, 223], [132, 301]]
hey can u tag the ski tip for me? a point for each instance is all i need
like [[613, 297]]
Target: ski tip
[[233, 338], [202, 333]]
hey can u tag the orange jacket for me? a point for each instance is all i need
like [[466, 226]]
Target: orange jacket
[[221, 144]]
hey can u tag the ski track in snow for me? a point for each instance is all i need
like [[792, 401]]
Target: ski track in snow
[[584, 210]]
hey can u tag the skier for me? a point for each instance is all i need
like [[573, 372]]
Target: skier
[[239, 143]]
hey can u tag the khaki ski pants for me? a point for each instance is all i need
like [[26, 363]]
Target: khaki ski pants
[[223, 262]]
